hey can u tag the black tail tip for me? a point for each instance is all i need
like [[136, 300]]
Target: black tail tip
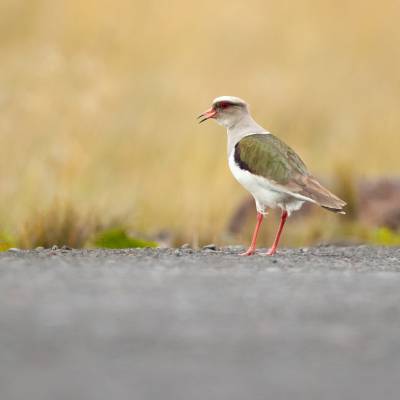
[[335, 210]]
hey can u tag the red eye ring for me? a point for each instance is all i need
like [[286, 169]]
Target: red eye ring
[[224, 105]]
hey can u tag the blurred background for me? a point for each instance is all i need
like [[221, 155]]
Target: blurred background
[[98, 101]]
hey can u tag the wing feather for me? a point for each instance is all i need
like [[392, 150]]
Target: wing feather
[[267, 156]]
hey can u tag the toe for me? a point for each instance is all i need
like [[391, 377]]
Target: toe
[[247, 253]]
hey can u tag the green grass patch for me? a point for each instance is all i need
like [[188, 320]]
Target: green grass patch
[[6, 242], [385, 237], [118, 238]]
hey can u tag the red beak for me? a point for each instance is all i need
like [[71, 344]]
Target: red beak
[[210, 113]]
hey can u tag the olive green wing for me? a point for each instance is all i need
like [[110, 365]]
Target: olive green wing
[[267, 156]]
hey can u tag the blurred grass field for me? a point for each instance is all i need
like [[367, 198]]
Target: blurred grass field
[[98, 101]]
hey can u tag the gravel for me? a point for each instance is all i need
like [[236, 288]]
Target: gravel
[[313, 323]]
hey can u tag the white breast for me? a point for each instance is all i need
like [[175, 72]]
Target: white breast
[[265, 192]]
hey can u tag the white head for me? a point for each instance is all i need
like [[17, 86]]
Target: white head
[[226, 110]]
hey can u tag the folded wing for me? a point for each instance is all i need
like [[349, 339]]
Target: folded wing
[[267, 156]]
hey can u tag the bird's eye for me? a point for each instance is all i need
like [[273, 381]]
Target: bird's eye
[[224, 105]]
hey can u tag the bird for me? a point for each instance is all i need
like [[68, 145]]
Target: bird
[[265, 166]]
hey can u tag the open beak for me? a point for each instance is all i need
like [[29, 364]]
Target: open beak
[[207, 115]]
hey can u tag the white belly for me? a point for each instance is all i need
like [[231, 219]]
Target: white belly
[[266, 194]]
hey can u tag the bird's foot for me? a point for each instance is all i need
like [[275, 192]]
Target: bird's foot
[[249, 252], [270, 252]]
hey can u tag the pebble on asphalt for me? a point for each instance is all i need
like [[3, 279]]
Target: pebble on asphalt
[[212, 247]]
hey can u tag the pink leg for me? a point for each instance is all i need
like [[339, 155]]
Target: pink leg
[[272, 250], [252, 249]]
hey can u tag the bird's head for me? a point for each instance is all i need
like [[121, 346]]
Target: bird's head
[[226, 110]]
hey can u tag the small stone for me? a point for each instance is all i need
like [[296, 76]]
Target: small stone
[[39, 248], [211, 247], [66, 247], [233, 249], [177, 252], [55, 247], [186, 246], [14, 250]]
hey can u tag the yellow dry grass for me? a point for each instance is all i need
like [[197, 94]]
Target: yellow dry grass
[[98, 101]]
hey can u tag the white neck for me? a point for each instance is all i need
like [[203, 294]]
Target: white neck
[[244, 127]]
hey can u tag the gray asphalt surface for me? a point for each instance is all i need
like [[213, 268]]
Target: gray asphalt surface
[[175, 324]]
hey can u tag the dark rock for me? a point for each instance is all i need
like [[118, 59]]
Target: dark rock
[[379, 203], [376, 203], [211, 247]]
